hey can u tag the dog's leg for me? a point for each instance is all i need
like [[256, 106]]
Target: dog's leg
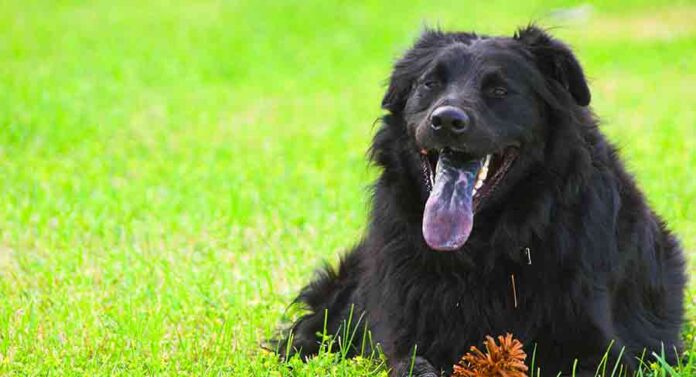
[[329, 299], [420, 367]]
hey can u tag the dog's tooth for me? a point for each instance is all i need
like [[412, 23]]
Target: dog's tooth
[[483, 172]]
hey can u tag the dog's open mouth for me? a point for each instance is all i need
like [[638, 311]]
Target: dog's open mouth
[[458, 184]]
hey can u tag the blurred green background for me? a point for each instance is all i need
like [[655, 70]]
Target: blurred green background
[[171, 172]]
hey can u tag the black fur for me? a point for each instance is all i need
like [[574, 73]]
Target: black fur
[[604, 268]]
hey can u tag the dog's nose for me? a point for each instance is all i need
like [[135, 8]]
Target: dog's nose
[[449, 118]]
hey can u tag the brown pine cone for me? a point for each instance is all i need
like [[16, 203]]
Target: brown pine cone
[[504, 360]]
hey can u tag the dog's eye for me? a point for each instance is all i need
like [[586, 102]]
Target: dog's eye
[[430, 84], [497, 91]]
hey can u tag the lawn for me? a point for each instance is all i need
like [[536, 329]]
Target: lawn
[[171, 173]]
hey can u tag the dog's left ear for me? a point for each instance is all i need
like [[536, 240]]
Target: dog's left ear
[[557, 61]]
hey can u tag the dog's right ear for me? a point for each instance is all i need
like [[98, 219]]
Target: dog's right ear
[[394, 99], [408, 69]]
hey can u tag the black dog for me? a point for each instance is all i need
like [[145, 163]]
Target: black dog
[[500, 208]]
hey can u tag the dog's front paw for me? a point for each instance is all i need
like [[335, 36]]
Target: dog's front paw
[[420, 367]]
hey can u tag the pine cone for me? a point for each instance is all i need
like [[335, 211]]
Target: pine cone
[[504, 360]]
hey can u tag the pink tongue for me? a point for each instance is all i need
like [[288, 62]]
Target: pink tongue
[[448, 216]]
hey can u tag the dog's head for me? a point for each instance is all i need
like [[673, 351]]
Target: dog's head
[[471, 105]]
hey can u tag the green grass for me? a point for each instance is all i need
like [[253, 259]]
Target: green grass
[[170, 173]]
